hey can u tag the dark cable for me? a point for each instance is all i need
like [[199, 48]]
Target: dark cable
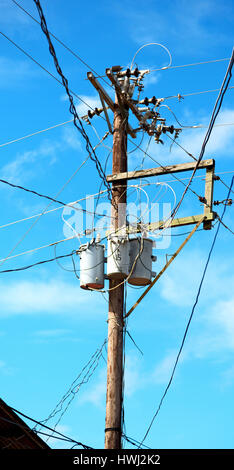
[[132, 441], [190, 319], [50, 429], [49, 197], [33, 431], [77, 122], [36, 264], [62, 43]]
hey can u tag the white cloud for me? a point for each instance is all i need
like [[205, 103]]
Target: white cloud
[[26, 165], [51, 297], [180, 284], [15, 72], [220, 143], [222, 315], [133, 381], [92, 102], [2, 364], [96, 393], [52, 333], [71, 138], [187, 20], [21, 167], [163, 369], [133, 377]]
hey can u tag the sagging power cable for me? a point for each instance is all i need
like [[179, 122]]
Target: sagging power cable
[[190, 318], [76, 120]]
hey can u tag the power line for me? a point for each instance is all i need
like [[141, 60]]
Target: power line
[[62, 43], [134, 442], [32, 250], [180, 95], [221, 181], [36, 193], [75, 387], [36, 264], [77, 122], [190, 65], [198, 126], [35, 133], [69, 204], [42, 213], [190, 318], [34, 431], [214, 115], [50, 429], [45, 69]]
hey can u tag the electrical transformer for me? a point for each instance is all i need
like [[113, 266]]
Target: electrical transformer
[[91, 265], [141, 261], [118, 258]]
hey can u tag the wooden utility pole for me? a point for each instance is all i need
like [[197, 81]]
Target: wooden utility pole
[[114, 398], [124, 82]]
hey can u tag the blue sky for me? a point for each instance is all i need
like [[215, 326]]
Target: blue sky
[[49, 327]]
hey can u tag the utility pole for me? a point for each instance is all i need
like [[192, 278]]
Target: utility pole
[[114, 398], [148, 119]]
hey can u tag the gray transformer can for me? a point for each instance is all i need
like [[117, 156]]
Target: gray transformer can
[[141, 261], [118, 258], [92, 266]]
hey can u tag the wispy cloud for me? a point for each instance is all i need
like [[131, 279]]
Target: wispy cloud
[[95, 395], [12, 17], [21, 168], [16, 73], [40, 297], [221, 140], [185, 19], [180, 284], [52, 333]]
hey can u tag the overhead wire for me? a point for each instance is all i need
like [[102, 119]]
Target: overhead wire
[[41, 214], [40, 65], [35, 133], [33, 250], [23, 268], [47, 197], [190, 65], [153, 44], [29, 56], [77, 121], [50, 429], [190, 318], [61, 43], [33, 431], [198, 126], [180, 95], [75, 387], [214, 115], [69, 204]]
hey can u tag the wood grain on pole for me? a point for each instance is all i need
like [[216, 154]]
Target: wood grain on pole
[[116, 299]]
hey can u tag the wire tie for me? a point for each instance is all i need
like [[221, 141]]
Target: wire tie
[[113, 429]]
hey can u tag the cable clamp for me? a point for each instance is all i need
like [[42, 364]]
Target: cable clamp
[[113, 429]]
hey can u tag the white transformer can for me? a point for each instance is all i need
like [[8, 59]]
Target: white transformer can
[[91, 265], [141, 261], [118, 258]]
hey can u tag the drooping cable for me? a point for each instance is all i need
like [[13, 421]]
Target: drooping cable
[[61, 43], [190, 319], [77, 121], [47, 427], [23, 268]]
